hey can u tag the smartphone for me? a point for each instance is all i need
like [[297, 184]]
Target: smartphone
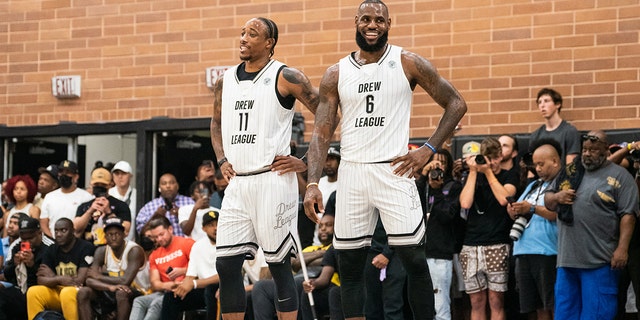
[[25, 246], [204, 192], [511, 199], [169, 270]]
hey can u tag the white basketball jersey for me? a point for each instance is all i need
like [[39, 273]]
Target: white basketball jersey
[[375, 100], [116, 267], [255, 126]]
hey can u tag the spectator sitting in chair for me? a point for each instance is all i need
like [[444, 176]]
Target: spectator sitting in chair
[[110, 277]]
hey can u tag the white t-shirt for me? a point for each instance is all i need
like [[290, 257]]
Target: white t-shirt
[[327, 188], [58, 205], [202, 260], [130, 195], [183, 215]]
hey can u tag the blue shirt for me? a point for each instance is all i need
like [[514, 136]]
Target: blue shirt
[[540, 236]]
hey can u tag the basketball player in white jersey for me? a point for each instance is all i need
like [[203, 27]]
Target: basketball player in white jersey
[[373, 87], [251, 133]]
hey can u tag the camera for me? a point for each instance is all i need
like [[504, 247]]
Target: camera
[[436, 174], [480, 159], [518, 228], [635, 155]]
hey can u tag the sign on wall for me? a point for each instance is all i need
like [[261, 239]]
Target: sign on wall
[[213, 73], [65, 87]]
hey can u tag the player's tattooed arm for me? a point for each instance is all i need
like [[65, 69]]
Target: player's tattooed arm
[[299, 86], [215, 128], [421, 72]]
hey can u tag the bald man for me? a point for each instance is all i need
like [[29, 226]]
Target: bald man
[[536, 249], [593, 246]]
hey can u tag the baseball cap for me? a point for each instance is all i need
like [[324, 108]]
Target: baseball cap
[[122, 166], [68, 165], [51, 170], [470, 148], [113, 222], [27, 223], [101, 175], [209, 217], [334, 152]]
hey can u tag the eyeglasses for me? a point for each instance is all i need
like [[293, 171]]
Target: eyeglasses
[[591, 138]]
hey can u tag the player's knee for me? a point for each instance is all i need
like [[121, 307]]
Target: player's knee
[[84, 294], [287, 295], [68, 294], [352, 263], [230, 267], [122, 296]]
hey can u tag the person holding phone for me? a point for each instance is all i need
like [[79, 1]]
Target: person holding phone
[[190, 216], [486, 245], [20, 271], [90, 216], [167, 204]]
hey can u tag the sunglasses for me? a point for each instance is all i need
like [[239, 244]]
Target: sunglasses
[[591, 138]]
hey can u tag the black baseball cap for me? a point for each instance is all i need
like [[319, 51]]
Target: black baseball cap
[[27, 223], [209, 217], [68, 165], [51, 170], [113, 222]]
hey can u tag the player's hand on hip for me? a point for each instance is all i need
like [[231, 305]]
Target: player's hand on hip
[[285, 164], [413, 161], [313, 197], [227, 171]]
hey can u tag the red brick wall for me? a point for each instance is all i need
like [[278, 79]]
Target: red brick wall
[[140, 59]]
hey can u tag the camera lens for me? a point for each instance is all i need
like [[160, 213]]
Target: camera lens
[[518, 228], [480, 159], [436, 174]]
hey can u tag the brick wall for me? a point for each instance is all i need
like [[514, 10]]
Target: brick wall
[[145, 58]]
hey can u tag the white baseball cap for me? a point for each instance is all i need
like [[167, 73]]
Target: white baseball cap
[[122, 166]]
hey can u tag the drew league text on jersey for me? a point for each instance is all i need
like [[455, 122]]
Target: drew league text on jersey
[[369, 121], [243, 138]]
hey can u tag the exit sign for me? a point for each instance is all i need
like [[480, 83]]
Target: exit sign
[[64, 87], [213, 73]]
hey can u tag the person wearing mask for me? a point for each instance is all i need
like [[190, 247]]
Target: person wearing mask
[[90, 217], [63, 202]]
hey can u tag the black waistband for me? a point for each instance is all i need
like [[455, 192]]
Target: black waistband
[[254, 172]]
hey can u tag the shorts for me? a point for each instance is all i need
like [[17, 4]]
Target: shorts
[[485, 267], [586, 293], [365, 187], [535, 278], [259, 210]]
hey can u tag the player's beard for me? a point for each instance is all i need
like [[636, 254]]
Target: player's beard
[[364, 46]]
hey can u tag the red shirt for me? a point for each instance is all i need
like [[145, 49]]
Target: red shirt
[[176, 255]]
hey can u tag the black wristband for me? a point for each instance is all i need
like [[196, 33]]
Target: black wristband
[[222, 161]]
